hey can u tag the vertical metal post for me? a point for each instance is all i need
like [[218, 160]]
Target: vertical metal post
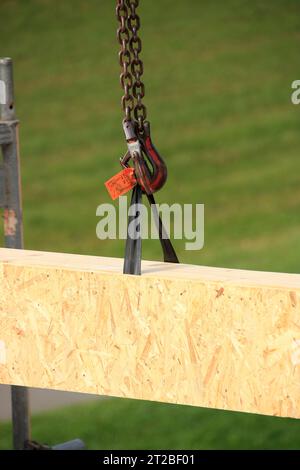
[[13, 226]]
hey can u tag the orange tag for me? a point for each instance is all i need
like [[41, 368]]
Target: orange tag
[[121, 183]]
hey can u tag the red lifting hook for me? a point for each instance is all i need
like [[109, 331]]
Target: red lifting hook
[[150, 168]]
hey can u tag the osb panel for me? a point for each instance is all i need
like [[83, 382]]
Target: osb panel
[[202, 342]]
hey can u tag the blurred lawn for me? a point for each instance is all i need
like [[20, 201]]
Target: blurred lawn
[[133, 424], [218, 83]]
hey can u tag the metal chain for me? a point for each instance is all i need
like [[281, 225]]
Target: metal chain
[[129, 58], [124, 58]]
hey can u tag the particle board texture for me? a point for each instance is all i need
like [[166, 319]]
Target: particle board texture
[[193, 335]]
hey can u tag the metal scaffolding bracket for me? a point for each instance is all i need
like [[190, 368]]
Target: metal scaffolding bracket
[[6, 135]]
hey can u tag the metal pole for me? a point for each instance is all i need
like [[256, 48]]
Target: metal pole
[[20, 416], [13, 225]]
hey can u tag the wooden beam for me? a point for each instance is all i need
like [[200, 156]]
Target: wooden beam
[[194, 335]]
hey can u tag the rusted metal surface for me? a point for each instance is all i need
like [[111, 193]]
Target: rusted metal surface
[[130, 61], [10, 222]]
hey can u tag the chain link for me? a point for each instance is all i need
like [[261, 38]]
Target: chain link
[[130, 62]]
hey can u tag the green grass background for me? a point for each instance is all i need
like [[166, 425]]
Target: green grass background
[[218, 84]]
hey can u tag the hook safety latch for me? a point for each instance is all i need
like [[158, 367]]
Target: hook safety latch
[[150, 168]]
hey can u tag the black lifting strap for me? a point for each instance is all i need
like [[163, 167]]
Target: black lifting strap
[[133, 249]]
